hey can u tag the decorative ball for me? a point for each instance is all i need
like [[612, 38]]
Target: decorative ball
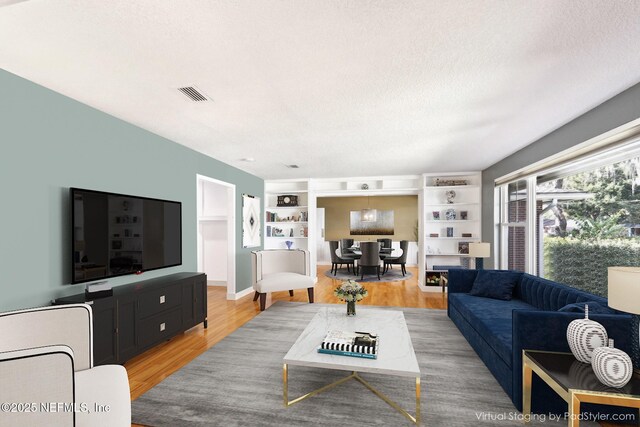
[[584, 336], [612, 366], [365, 186]]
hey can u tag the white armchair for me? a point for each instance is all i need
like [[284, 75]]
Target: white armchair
[[280, 270], [48, 377]]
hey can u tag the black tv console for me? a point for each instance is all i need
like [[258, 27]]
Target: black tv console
[[140, 315]]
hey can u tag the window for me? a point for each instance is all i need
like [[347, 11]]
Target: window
[[570, 225]]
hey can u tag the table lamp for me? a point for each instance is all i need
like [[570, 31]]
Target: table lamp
[[624, 295], [480, 251]]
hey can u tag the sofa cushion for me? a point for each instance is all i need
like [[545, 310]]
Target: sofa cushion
[[283, 282], [491, 318], [547, 295], [495, 284], [594, 308]]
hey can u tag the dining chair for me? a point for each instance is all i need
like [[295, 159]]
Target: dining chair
[[338, 260], [386, 243], [400, 259], [345, 247], [370, 257]]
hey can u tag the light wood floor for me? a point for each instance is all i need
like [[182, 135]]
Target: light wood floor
[[151, 367]]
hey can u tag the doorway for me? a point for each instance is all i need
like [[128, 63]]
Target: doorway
[[216, 232]]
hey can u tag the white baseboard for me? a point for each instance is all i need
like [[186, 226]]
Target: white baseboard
[[216, 283], [238, 295]]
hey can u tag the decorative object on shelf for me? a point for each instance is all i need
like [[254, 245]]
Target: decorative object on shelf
[[351, 292], [467, 235], [450, 214], [450, 182], [624, 295], [479, 251], [450, 195], [612, 366], [584, 336], [463, 247], [449, 231], [364, 186], [250, 221], [287, 200], [463, 215], [436, 215], [383, 224], [433, 235], [289, 243]]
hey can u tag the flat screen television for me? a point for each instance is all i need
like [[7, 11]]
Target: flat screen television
[[117, 234]]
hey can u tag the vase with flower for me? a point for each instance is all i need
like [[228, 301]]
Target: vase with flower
[[351, 292]]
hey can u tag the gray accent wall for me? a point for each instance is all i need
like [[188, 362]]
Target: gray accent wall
[[48, 143], [615, 112]]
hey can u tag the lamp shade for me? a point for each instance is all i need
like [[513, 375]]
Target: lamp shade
[[624, 289], [480, 250]]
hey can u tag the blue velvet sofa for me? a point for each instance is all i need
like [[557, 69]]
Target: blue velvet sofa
[[499, 330]]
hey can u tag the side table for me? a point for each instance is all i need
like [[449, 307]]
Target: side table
[[575, 382]]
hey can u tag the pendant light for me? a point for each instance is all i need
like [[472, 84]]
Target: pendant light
[[368, 215]]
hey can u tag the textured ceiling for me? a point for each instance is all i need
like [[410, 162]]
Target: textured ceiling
[[341, 88]]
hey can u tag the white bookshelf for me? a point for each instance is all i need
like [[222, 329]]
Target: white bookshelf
[[444, 235], [295, 223]]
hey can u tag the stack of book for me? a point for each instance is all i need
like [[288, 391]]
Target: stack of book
[[354, 344]]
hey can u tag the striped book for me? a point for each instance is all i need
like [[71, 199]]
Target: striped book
[[355, 344]]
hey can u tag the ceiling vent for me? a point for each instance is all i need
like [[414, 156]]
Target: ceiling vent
[[193, 93], [292, 166]]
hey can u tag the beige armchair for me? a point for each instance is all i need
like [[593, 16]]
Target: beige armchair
[[48, 377], [280, 270]]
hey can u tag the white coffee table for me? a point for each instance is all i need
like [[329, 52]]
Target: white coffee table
[[395, 354]]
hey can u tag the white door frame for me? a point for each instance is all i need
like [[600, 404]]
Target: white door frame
[[231, 231]]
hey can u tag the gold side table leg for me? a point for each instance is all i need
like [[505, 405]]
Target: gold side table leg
[[526, 391], [574, 411]]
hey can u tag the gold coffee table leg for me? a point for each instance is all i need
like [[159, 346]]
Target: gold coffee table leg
[[354, 375]]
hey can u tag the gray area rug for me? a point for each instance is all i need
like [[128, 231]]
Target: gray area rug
[[238, 382], [393, 275]]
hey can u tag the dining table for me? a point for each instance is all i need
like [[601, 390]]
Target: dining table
[[356, 253]]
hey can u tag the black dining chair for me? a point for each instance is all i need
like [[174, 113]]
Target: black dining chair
[[345, 247], [370, 257], [338, 260], [401, 259], [386, 243]]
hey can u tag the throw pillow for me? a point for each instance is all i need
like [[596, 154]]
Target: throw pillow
[[495, 284], [594, 308]]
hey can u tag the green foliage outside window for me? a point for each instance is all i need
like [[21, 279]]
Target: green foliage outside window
[[583, 263]]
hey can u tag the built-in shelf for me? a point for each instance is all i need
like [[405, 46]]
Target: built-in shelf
[[455, 204], [452, 238], [435, 221], [467, 203], [285, 237], [286, 222], [449, 187], [449, 254], [286, 207]]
